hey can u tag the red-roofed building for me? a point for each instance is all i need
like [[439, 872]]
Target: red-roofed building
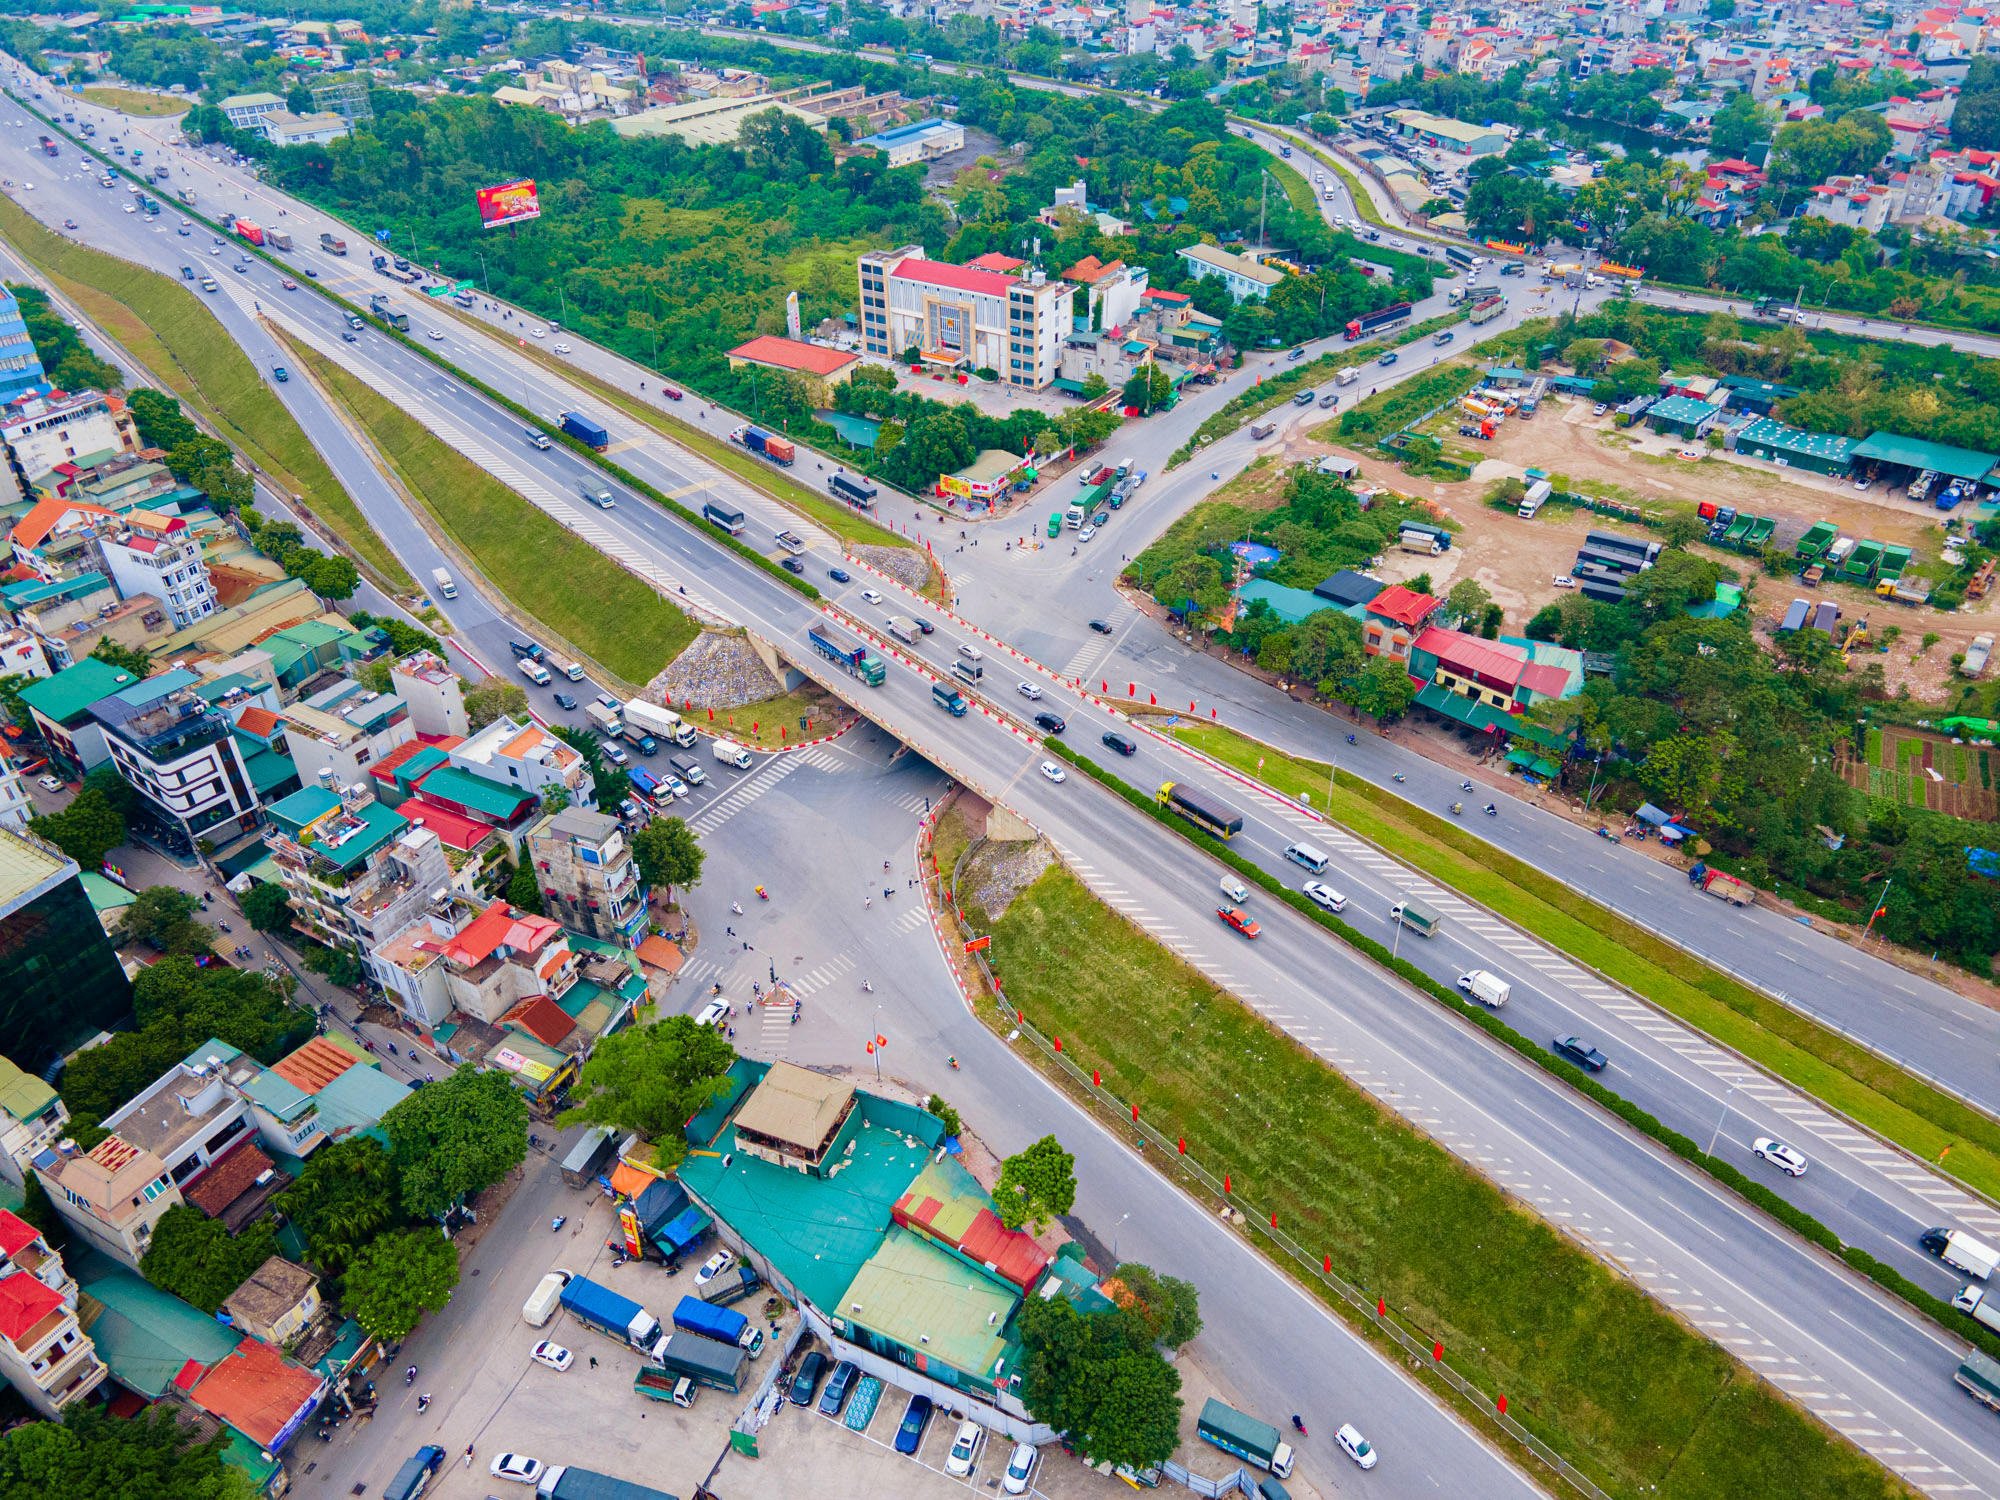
[[1489, 684], [44, 1352], [964, 318], [819, 368], [454, 829], [542, 1019], [1393, 619], [260, 1393], [993, 260], [312, 1067]]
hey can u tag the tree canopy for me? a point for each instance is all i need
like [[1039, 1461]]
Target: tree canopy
[[198, 1260], [652, 1079], [1035, 1185], [456, 1137], [394, 1280], [90, 1452], [1099, 1382]]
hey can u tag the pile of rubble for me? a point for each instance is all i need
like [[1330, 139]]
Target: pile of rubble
[[719, 669], [906, 565]]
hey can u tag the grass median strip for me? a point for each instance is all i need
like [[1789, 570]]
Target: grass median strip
[[551, 574], [1588, 1362], [168, 330], [1925, 1122]]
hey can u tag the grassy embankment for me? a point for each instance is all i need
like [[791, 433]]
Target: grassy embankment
[[551, 574], [1819, 1062], [134, 102], [1588, 1362], [169, 331]]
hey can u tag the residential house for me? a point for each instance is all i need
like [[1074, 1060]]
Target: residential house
[[16, 806], [283, 128], [434, 693], [817, 369], [43, 431], [176, 750], [345, 728], [22, 654], [1244, 277], [60, 707], [525, 758], [113, 1195], [32, 1115], [44, 1352], [20, 367], [355, 871], [1113, 292], [1393, 619], [589, 879], [260, 1394], [277, 1303], [1463, 674], [159, 557]]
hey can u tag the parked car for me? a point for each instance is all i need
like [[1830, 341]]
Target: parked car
[[805, 1384], [1355, 1446], [517, 1466], [964, 1447], [1020, 1469], [1564, 581], [916, 1417], [554, 1356], [714, 1266], [1580, 1052], [838, 1384], [50, 783]]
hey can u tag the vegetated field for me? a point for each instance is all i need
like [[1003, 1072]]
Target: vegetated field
[[772, 723], [553, 575], [1898, 766], [1587, 1361], [133, 102], [1905, 1110], [1391, 410], [166, 328]]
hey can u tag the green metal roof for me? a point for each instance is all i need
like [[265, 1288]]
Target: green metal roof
[[267, 768], [69, 693], [933, 1303], [145, 1336], [1916, 453], [1771, 433], [1289, 605], [1680, 409], [23, 1095], [105, 894]]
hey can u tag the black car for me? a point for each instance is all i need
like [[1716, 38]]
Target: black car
[[1580, 1052], [1119, 743], [839, 575], [1102, 518], [566, 703], [1102, 627], [807, 1380], [1051, 723], [926, 627], [838, 1384], [792, 565]]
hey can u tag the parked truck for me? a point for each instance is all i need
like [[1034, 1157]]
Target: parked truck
[[585, 431], [1819, 536], [853, 659], [1722, 885], [604, 720], [1979, 1378], [731, 1286], [333, 244], [445, 587], [1914, 592], [416, 1474], [1976, 654], [731, 754], [568, 1482], [663, 722], [1487, 310], [688, 769], [766, 444], [1957, 1248], [703, 1360], [606, 1311], [1416, 916], [724, 1325], [588, 1156], [1249, 1439], [656, 1384], [1382, 320], [1860, 564]]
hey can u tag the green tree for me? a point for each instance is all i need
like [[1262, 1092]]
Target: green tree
[[198, 1260], [86, 830], [1383, 689], [1035, 1185], [1681, 529], [393, 1281], [10, 699], [1741, 126], [668, 854], [652, 1079], [330, 577], [348, 1193], [300, 101], [495, 698], [523, 891], [1685, 772], [1095, 386], [1167, 1308], [456, 1138], [947, 1116], [160, 420], [131, 658], [1093, 1380], [1467, 601], [267, 908], [90, 1452], [163, 917]]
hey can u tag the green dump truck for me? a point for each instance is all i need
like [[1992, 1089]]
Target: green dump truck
[[1979, 1377], [1861, 562], [1894, 561], [1819, 536]]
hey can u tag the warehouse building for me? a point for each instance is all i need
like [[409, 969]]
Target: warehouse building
[[1794, 447], [1892, 452]]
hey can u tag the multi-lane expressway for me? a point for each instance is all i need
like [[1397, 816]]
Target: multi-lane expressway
[[1732, 1272]]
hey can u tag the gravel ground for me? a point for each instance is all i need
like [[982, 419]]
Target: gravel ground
[[904, 564], [999, 872], [719, 669]]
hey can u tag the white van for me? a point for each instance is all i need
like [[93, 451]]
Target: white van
[[1305, 854], [547, 1296], [1235, 889], [534, 671]]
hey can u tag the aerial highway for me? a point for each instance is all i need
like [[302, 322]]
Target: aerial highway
[[1781, 1302]]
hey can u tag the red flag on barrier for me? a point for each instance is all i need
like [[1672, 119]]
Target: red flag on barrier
[[1328, 1266], [1154, 699], [1096, 1079], [1190, 705], [1437, 1351], [1135, 1114], [1058, 1044], [1274, 1219], [1225, 1182], [1381, 1307], [1183, 1145], [1502, 1404]]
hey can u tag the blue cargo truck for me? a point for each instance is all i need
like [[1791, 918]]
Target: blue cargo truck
[[856, 660], [722, 1324], [856, 491], [606, 1311], [585, 431], [728, 517]]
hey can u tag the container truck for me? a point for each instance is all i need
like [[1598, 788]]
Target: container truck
[[1416, 916], [1382, 320], [855, 490], [333, 244], [702, 1360], [445, 587], [1261, 430], [766, 444], [1249, 1439], [567, 1482], [639, 740], [948, 698], [604, 720], [1723, 886], [585, 431], [1536, 497], [1209, 813], [663, 722], [1347, 376], [731, 754], [607, 1312], [1979, 1378], [855, 660], [1957, 1248], [731, 1286], [1487, 989], [723, 1324], [728, 517], [278, 239], [254, 233], [1488, 310]]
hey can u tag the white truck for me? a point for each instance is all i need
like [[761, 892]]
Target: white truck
[[604, 720], [534, 671], [792, 542], [1347, 376], [662, 722], [731, 754], [1972, 1299], [445, 587], [1487, 989], [1957, 1248], [573, 670]]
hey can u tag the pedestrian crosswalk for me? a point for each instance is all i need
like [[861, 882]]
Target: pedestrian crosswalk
[[1088, 655], [743, 794]]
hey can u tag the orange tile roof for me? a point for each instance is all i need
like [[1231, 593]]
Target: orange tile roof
[[258, 721], [542, 1019], [33, 529], [315, 1065], [256, 1390], [789, 354], [497, 926], [659, 953]]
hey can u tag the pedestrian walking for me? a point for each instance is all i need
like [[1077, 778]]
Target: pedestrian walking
[[593, 1361]]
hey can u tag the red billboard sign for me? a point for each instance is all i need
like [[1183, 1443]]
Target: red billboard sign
[[509, 203]]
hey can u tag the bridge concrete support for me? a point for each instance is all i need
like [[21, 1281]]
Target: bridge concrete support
[[1005, 826], [789, 677]]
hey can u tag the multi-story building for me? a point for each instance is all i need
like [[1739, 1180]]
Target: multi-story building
[[64, 982], [356, 872], [589, 879], [16, 806], [43, 431], [44, 1352], [345, 729], [283, 128], [1244, 277], [32, 1115], [277, 1304], [245, 110], [158, 556], [481, 962], [526, 757], [113, 1195], [22, 653], [1114, 292], [434, 693], [20, 367], [1012, 320], [177, 751]]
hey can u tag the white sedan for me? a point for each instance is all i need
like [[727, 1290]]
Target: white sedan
[[714, 1266], [50, 783], [436, 337], [1787, 1159], [554, 1356], [1355, 1446], [1029, 690], [871, 596], [1086, 534], [1053, 771], [517, 1466], [1564, 581], [562, 348]]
